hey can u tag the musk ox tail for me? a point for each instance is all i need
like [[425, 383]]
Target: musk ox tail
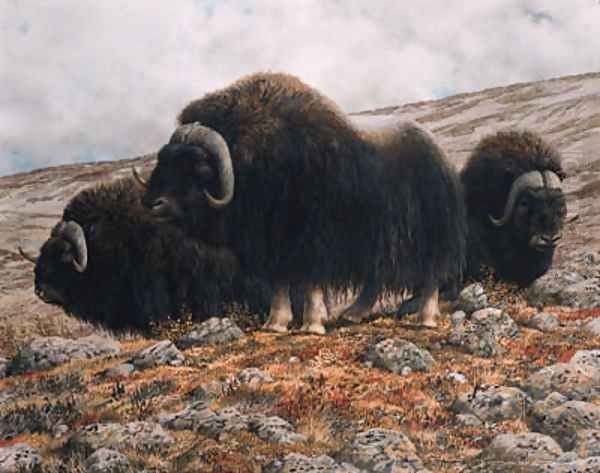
[[426, 201]]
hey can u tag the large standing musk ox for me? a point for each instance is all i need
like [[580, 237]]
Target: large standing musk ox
[[109, 263], [516, 207], [274, 171]]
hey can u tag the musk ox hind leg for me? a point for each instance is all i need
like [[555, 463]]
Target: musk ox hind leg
[[429, 309], [361, 309], [315, 311], [280, 313]]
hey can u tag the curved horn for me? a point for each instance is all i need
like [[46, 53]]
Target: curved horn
[[27, 256], [213, 142], [139, 179], [531, 179], [552, 180], [73, 233]]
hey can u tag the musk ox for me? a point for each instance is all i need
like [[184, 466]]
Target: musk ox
[[274, 172], [516, 207], [109, 263]]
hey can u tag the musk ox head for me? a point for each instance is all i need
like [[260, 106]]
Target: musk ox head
[[192, 170], [535, 210], [512, 185]]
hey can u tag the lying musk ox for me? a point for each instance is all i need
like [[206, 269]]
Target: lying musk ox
[[273, 171], [109, 263], [516, 207]]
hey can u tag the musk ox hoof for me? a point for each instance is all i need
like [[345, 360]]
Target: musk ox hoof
[[276, 328], [315, 329], [356, 313], [428, 320]]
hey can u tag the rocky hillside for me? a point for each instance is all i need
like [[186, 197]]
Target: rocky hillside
[[510, 379]]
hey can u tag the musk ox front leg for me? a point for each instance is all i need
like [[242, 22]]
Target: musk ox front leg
[[429, 309], [315, 311], [280, 313]]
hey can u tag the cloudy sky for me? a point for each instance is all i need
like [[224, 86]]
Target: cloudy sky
[[84, 80]]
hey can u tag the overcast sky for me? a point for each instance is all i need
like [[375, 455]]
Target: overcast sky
[[85, 80]]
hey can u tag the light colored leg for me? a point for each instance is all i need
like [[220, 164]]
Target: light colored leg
[[429, 310], [362, 307], [280, 313], [315, 311]]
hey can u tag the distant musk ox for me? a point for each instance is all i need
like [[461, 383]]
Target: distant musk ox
[[516, 207], [109, 263], [274, 172]]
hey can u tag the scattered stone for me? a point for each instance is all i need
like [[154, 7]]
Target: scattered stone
[[588, 465], [43, 353], [297, 463], [563, 422], [586, 358], [188, 418], [566, 288], [274, 429], [208, 391], [212, 331], [161, 354], [472, 298], [480, 335], [593, 327], [575, 381], [457, 377], [224, 421], [60, 430], [120, 371], [3, 367], [587, 443], [458, 318], [253, 377], [468, 420], [544, 322], [493, 403], [147, 436], [522, 448], [105, 460], [382, 450], [18, 458], [294, 360], [397, 354]]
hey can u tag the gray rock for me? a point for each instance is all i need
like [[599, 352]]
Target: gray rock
[[588, 465], [164, 353], [544, 322], [468, 420], [212, 331], [105, 460], [458, 318], [587, 443], [226, 420], [564, 287], [563, 422], [47, 352], [60, 430], [19, 458], [293, 360], [457, 377], [147, 436], [522, 448], [493, 403], [481, 334], [575, 381], [593, 327], [298, 463], [187, 419], [550, 402], [208, 391], [381, 450], [397, 354], [472, 298], [120, 371], [587, 358], [3, 367], [253, 377], [274, 429]]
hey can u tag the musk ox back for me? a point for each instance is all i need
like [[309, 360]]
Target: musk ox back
[[274, 171], [516, 207], [109, 263]]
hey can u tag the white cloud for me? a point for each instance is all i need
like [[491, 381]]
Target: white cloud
[[87, 80]]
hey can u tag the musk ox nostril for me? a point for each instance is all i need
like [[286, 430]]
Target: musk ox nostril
[[159, 203]]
